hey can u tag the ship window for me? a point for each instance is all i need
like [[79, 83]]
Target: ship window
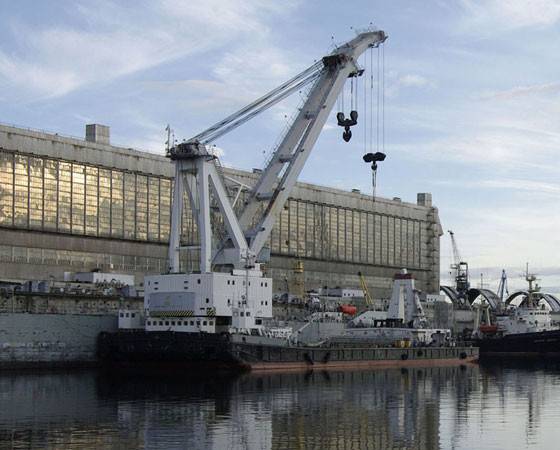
[[232, 281], [121, 314], [166, 323], [133, 315], [228, 281], [258, 321], [198, 323], [173, 323], [265, 284], [229, 301], [192, 323], [248, 313], [243, 283], [198, 281], [207, 300], [211, 323], [204, 323], [266, 302], [126, 314], [241, 313], [160, 323], [149, 323]]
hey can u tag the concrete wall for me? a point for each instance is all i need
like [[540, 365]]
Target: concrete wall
[[50, 339], [318, 272], [67, 304]]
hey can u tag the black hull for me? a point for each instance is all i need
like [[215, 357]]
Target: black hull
[[546, 343], [127, 348]]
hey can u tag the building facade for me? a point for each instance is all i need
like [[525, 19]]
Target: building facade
[[68, 204]]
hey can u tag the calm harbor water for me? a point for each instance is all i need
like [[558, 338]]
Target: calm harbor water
[[486, 407]]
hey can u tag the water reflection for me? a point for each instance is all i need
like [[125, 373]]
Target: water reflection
[[450, 407]]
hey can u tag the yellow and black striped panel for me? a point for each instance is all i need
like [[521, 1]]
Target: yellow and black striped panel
[[210, 312], [171, 313]]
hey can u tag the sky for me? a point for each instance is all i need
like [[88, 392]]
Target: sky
[[472, 96]]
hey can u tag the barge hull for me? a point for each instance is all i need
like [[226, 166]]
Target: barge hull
[[217, 351], [522, 345]]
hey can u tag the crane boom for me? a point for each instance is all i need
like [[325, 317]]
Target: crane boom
[[456, 254], [461, 268], [291, 154]]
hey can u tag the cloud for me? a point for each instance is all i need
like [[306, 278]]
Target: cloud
[[506, 235], [522, 185], [523, 91], [512, 14], [412, 80], [53, 60]]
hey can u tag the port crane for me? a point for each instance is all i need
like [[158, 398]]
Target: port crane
[[461, 270], [229, 289]]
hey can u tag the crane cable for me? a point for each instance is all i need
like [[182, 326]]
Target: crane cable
[[365, 106], [383, 94], [243, 115]]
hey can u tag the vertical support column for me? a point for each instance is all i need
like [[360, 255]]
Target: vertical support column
[[203, 215], [176, 216], [434, 232]]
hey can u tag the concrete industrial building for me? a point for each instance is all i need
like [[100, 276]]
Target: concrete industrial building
[[68, 204]]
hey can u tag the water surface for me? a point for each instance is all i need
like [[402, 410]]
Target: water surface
[[488, 407]]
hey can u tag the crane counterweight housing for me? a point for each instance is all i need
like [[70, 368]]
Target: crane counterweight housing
[[230, 291]]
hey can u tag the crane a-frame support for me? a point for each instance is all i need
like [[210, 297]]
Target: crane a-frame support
[[196, 171]]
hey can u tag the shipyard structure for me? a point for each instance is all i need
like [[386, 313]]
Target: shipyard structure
[[69, 204]]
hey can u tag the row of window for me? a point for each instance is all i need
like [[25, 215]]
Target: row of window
[[63, 196], [68, 197], [327, 232], [81, 260]]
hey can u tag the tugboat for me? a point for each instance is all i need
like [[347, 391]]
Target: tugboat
[[523, 330]]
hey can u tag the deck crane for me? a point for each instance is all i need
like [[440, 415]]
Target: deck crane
[[461, 269], [367, 296], [230, 291]]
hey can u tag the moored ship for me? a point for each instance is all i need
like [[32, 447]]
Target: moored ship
[[525, 330]]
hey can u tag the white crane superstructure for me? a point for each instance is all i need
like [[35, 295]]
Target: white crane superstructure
[[230, 291]]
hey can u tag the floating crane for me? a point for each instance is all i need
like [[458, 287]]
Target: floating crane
[[230, 291]]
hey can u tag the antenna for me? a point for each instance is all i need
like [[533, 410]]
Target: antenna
[[168, 143]]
